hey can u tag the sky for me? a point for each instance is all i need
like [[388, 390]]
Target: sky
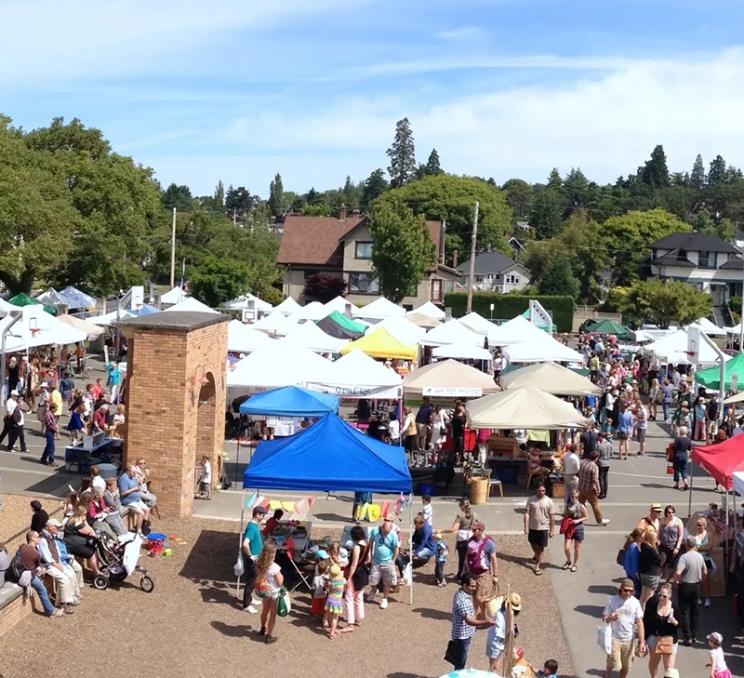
[[237, 91]]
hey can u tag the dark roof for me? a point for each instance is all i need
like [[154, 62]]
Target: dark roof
[[314, 240], [488, 262], [673, 258], [733, 262], [694, 242], [182, 321]]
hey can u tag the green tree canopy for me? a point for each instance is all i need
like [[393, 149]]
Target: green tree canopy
[[661, 302], [374, 186], [655, 172], [558, 278], [277, 201], [519, 197], [402, 248], [452, 199]]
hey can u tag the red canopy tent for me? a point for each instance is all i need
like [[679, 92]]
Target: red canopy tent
[[722, 459]]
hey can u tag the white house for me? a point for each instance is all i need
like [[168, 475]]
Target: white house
[[495, 272]]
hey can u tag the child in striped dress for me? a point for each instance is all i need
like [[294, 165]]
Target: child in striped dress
[[335, 601]]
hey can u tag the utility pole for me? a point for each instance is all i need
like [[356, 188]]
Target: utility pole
[[173, 251], [471, 275], [741, 313]]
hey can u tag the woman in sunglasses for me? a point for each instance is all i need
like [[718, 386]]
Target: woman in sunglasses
[[661, 630]]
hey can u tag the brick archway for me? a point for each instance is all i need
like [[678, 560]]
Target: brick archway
[[176, 399]]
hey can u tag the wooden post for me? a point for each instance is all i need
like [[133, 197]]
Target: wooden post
[[471, 275]]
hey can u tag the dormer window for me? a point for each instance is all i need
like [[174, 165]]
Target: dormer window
[[706, 259]]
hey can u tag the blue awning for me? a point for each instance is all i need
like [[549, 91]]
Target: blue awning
[[291, 401]]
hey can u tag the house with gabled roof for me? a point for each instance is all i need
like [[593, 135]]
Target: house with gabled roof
[[495, 272], [342, 246]]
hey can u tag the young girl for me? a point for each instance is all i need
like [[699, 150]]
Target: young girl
[[335, 601], [323, 563], [718, 668], [575, 537], [269, 580]]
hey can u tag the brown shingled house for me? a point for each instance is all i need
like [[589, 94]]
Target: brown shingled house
[[343, 247]]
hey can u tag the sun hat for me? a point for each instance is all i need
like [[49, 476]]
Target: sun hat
[[335, 570], [656, 506], [54, 522], [515, 600]]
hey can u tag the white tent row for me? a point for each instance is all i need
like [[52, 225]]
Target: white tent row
[[242, 338], [707, 327], [452, 332], [36, 327], [673, 349], [190, 305], [356, 375], [524, 342], [379, 309], [309, 336], [463, 351]]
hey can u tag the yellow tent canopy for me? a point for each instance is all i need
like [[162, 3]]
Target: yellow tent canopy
[[380, 343]]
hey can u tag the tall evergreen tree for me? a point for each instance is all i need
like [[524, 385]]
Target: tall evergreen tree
[[717, 171], [432, 164], [655, 172], [219, 194], [697, 176], [554, 179], [276, 196], [374, 186], [402, 155]]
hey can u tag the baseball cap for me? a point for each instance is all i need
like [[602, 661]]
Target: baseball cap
[[14, 393], [260, 511], [54, 522]]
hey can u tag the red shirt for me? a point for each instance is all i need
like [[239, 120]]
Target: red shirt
[[96, 391], [99, 419], [30, 557]]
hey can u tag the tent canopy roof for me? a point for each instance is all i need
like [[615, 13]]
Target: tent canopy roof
[[242, 338], [537, 346], [309, 335], [379, 343], [191, 304], [74, 298], [275, 366], [476, 322], [607, 326], [551, 378], [514, 331], [711, 377], [312, 311], [462, 350], [452, 332], [379, 309], [401, 328], [287, 307], [524, 407], [707, 327], [328, 456], [173, 296], [431, 310], [339, 304], [721, 460], [290, 401], [91, 330], [38, 328], [425, 321], [449, 378], [673, 348], [275, 323], [338, 325]]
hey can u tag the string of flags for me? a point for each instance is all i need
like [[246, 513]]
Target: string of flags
[[296, 510]]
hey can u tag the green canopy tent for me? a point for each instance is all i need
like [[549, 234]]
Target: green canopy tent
[[22, 299], [605, 326], [711, 378], [338, 325]]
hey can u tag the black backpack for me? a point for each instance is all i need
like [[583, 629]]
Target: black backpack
[[16, 569]]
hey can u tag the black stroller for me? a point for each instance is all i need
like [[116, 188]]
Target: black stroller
[[119, 559]]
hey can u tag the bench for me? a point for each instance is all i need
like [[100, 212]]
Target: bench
[[14, 606]]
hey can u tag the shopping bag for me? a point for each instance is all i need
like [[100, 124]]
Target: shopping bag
[[670, 469], [238, 567], [284, 604], [361, 512], [373, 512], [604, 637]]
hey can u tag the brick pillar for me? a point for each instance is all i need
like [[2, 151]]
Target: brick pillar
[[176, 400]]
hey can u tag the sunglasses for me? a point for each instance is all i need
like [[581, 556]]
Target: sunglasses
[[663, 595], [627, 590]]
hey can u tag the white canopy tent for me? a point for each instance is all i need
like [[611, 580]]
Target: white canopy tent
[[339, 304], [6, 306], [380, 309], [312, 311], [476, 322], [452, 332], [276, 366], [448, 379], [673, 349], [91, 330], [709, 328], [402, 329], [738, 479], [551, 378], [357, 375], [247, 302], [191, 305], [541, 348], [309, 336], [431, 310], [275, 324], [514, 331], [525, 407], [287, 307], [242, 338], [36, 327], [463, 351], [106, 319], [173, 296]]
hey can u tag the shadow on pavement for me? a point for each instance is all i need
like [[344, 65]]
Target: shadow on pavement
[[239, 631], [606, 590], [590, 610], [429, 613]]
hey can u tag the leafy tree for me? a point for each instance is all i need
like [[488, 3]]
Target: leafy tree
[[177, 196], [277, 202], [374, 186], [323, 288], [215, 280], [519, 196], [36, 217], [432, 167], [402, 249], [546, 216], [452, 199], [628, 239], [697, 176], [402, 155], [351, 195], [219, 194], [557, 278], [238, 201], [661, 302], [655, 172]]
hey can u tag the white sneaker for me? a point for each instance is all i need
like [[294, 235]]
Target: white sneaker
[[707, 602], [256, 603], [251, 609], [605, 521], [383, 603]]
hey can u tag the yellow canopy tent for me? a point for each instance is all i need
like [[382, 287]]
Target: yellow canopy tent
[[380, 343]]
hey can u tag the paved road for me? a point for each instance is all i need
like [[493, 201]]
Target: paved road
[[581, 595]]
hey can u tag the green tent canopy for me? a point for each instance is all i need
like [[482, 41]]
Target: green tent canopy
[[605, 326], [711, 378], [22, 299], [348, 323]]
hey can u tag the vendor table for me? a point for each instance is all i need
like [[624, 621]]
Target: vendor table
[[84, 456], [299, 534]]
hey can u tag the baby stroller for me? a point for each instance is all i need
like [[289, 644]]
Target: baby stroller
[[119, 559]]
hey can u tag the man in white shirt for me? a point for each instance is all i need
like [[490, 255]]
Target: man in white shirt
[[623, 612], [10, 404], [17, 421], [571, 463]]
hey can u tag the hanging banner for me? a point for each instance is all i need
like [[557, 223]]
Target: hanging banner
[[451, 392], [357, 391]]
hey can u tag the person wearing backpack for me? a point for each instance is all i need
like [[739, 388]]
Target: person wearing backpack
[[483, 564]]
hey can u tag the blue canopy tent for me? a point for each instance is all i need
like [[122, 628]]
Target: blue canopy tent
[[73, 298], [291, 401], [331, 456]]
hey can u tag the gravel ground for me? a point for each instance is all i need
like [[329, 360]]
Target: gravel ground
[[192, 623]]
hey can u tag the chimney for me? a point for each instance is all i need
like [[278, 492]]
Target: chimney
[[455, 255], [342, 211]]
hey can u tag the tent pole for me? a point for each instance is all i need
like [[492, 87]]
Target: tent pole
[[237, 454], [240, 539], [689, 496], [410, 545]]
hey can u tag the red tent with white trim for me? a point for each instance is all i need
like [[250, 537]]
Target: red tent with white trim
[[722, 459]]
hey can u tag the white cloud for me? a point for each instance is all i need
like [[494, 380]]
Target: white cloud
[[461, 33]]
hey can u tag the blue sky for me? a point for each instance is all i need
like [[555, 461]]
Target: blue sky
[[239, 90]]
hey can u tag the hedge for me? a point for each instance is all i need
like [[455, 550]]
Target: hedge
[[507, 306]]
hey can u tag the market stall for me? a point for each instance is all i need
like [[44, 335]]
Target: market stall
[[287, 307], [37, 328], [308, 335], [424, 321], [709, 328], [290, 401], [92, 331], [515, 331], [379, 343], [550, 378], [448, 379], [275, 324], [190, 305], [242, 338], [341, 305], [452, 332], [402, 329], [312, 311], [606, 326], [476, 322], [379, 309], [173, 296], [462, 351], [340, 326], [673, 349], [356, 375], [430, 310], [540, 347], [734, 374]]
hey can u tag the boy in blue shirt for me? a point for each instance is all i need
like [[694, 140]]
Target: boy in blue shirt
[[441, 552]]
